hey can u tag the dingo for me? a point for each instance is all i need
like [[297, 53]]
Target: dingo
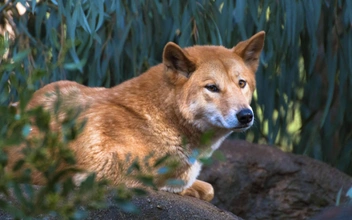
[[195, 90]]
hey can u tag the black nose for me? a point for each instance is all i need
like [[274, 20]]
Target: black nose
[[245, 116]]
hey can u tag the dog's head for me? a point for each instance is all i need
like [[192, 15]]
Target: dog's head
[[214, 85]]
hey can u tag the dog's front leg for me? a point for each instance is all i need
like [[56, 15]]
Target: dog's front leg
[[199, 189]]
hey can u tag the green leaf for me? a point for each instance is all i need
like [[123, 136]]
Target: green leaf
[[26, 130], [34, 3], [83, 20], [75, 66], [20, 56], [161, 161], [349, 192], [88, 183], [175, 182], [147, 180]]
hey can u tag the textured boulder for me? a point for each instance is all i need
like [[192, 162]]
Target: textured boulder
[[157, 205], [164, 205], [263, 182]]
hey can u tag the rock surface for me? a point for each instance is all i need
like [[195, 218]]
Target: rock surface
[[263, 182], [335, 213], [157, 205], [164, 205]]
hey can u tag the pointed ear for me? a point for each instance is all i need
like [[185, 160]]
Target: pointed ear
[[178, 60], [250, 50]]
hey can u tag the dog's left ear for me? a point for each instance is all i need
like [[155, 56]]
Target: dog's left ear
[[249, 50], [178, 60]]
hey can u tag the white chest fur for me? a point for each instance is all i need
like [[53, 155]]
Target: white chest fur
[[188, 178]]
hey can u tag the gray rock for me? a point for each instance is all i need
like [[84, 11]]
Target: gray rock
[[156, 205], [335, 213], [263, 182], [164, 205]]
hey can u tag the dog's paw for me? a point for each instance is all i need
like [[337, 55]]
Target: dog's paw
[[201, 190]]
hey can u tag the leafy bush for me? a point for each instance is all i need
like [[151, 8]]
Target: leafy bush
[[57, 198]]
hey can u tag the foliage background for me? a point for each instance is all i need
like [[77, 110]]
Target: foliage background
[[304, 79], [303, 96]]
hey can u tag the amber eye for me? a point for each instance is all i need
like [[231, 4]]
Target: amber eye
[[212, 88], [242, 83]]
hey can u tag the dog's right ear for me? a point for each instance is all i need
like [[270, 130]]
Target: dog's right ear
[[178, 60], [250, 50]]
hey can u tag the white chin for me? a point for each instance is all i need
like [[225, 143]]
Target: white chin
[[242, 128]]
